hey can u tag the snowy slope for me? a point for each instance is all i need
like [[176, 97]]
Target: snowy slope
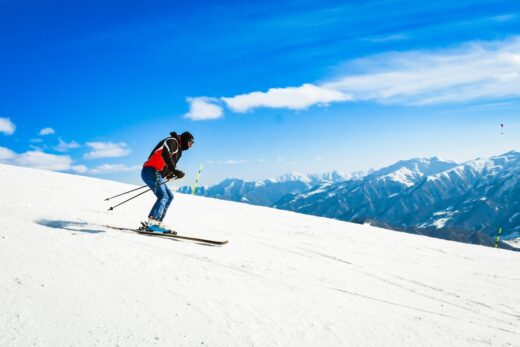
[[285, 279]]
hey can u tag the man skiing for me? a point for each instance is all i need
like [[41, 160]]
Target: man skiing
[[160, 167]]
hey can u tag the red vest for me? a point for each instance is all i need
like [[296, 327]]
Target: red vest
[[156, 158], [156, 161]]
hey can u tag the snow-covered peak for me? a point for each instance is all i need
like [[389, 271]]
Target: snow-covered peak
[[404, 176], [332, 176], [505, 158], [316, 178], [492, 166], [358, 174], [293, 176], [420, 166]]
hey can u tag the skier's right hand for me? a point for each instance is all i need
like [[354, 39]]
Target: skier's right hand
[[179, 174]]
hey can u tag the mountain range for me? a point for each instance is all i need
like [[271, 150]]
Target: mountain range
[[267, 192], [465, 202]]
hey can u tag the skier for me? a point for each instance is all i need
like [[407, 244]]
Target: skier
[[161, 166]]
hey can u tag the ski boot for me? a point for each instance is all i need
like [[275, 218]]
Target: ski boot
[[156, 227]]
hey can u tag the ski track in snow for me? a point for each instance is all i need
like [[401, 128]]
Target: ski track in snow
[[284, 279]]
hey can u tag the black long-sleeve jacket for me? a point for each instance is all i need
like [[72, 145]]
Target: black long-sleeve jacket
[[165, 155]]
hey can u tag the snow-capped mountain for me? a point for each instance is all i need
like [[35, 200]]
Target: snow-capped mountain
[[267, 192], [332, 177], [417, 166], [426, 196], [292, 177], [422, 195]]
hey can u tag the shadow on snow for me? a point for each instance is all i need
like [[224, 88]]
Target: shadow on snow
[[81, 227]]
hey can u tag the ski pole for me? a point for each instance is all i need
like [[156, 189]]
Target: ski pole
[[112, 208], [133, 190], [197, 179], [498, 237], [133, 197]]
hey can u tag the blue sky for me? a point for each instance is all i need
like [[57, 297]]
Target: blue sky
[[266, 87]]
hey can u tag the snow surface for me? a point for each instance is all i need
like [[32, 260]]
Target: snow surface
[[284, 279]]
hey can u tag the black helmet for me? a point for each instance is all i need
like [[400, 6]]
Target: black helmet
[[187, 140]]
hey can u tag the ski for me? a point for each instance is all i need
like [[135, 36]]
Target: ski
[[172, 236]]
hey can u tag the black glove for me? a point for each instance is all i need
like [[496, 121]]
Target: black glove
[[178, 173], [166, 173]]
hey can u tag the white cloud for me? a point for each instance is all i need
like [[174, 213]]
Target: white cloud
[[233, 162], [395, 37], [228, 162], [36, 159], [112, 168], [41, 160], [36, 148], [64, 146], [473, 71], [295, 98], [6, 154], [203, 108], [504, 18], [6, 126], [79, 169], [106, 150], [47, 131]]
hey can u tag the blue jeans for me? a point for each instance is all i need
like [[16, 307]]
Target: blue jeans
[[164, 195]]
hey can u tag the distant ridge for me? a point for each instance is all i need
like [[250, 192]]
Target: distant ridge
[[466, 202]]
